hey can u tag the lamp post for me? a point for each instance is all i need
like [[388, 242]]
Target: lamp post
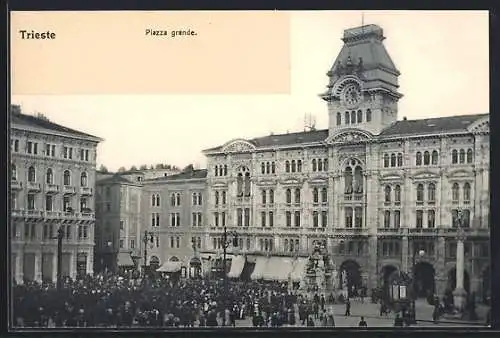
[[109, 247], [225, 245], [420, 253], [60, 235], [148, 238], [459, 294], [194, 270]]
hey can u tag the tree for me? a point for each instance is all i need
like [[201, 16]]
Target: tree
[[133, 168], [159, 166], [122, 169], [151, 167], [143, 167], [103, 169]]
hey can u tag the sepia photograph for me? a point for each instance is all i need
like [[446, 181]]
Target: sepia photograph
[[249, 169]]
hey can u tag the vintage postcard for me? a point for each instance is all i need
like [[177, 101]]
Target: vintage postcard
[[278, 169]]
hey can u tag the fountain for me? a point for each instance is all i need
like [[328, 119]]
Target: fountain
[[320, 274]]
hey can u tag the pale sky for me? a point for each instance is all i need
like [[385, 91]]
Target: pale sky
[[443, 57]]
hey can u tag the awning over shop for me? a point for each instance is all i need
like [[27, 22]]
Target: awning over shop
[[170, 266], [237, 264], [299, 269], [124, 259], [260, 268], [278, 268]]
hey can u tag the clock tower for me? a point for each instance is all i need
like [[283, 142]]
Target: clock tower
[[363, 85]]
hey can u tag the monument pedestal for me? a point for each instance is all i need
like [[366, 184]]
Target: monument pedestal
[[459, 299]]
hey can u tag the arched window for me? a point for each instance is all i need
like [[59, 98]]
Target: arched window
[[324, 195], [268, 168], [299, 166], [387, 194], [315, 195], [434, 157], [273, 167], [221, 170], [393, 160], [325, 164], [287, 166], [216, 198], [360, 116], [153, 200], [288, 196], [455, 191], [400, 160], [294, 166], [368, 115], [66, 177], [225, 169], [247, 184], [466, 192], [339, 119], [466, 218], [216, 170], [83, 179], [420, 193], [454, 156], [263, 168], [157, 200], [263, 197], [427, 158], [297, 195], [320, 165], [431, 218], [315, 219], [358, 180], [418, 160], [13, 171], [286, 245], [314, 166], [271, 196], [347, 118], [397, 194], [50, 176], [178, 199], [462, 156], [431, 192], [353, 117], [469, 156], [348, 217], [223, 197], [386, 161], [172, 198], [348, 180], [358, 217], [239, 184]]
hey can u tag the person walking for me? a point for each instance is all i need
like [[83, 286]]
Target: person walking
[[347, 307], [398, 321]]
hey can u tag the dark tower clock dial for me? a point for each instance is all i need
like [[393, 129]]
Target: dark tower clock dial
[[351, 95]]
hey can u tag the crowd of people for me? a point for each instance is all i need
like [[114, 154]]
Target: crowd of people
[[110, 301]]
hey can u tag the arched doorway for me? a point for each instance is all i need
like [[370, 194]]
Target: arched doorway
[[350, 276], [387, 275], [195, 267], [452, 280], [424, 279], [154, 263], [486, 287]]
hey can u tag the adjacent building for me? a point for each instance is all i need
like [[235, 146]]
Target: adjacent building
[[52, 186]]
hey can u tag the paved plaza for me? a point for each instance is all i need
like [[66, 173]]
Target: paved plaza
[[371, 311]]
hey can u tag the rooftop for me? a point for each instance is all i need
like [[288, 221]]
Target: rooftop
[[18, 117], [185, 175]]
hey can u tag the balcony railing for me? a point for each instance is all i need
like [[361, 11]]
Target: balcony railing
[[33, 186], [51, 188], [68, 190], [52, 214], [423, 231], [317, 229], [16, 185], [86, 215], [17, 213], [389, 231], [85, 191], [33, 213]]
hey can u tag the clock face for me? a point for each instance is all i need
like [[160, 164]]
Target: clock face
[[352, 95]]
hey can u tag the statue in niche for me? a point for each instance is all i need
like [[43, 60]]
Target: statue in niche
[[247, 184], [348, 181], [239, 185]]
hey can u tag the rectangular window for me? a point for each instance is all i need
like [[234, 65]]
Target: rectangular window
[[70, 154], [223, 218], [178, 242], [239, 216], [171, 242], [86, 155], [324, 219], [271, 218], [121, 225], [297, 218], [31, 202], [48, 203], [177, 219], [53, 153], [288, 219], [419, 218], [200, 199], [29, 147], [82, 155], [263, 218], [65, 152], [35, 148], [247, 217], [132, 244], [16, 145], [172, 220], [47, 149], [216, 219], [200, 222], [193, 221]]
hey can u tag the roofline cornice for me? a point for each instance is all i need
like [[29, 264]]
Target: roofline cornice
[[186, 180], [21, 127]]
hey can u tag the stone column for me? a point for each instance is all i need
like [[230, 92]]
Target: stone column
[[18, 263], [304, 244], [440, 278], [90, 262], [372, 262], [72, 265], [459, 294], [404, 253], [54, 267], [38, 266]]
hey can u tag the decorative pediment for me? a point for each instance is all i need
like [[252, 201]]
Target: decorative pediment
[[267, 182], [341, 84], [391, 177], [219, 184], [318, 180], [238, 146], [460, 173], [291, 181], [349, 136], [480, 126], [425, 175]]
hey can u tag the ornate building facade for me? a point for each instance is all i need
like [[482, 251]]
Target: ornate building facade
[[52, 185], [372, 188]]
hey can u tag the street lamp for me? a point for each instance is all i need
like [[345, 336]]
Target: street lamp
[[60, 235], [109, 247], [459, 294], [420, 253], [225, 245], [148, 238]]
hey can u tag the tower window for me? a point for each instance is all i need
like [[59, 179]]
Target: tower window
[[353, 117], [347, 118], [360, 116], [339, 119], [368, 115]]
